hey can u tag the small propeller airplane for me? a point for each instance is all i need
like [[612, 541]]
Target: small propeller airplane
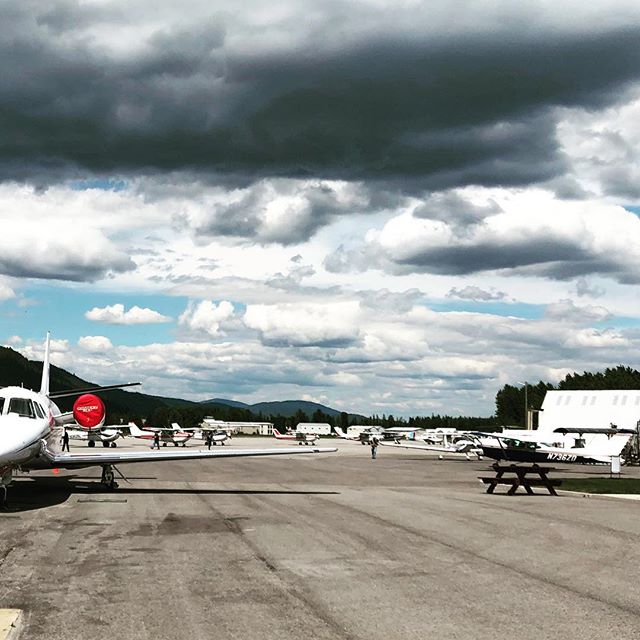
[[299, 437], [168, 435], [345, 436], [538, 448], [460, 444], [31, 427]]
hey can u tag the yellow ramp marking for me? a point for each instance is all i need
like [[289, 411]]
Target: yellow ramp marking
[[9, 619]]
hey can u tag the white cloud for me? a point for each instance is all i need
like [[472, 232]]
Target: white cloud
[[53, 236], [14, 341], [6, 292], [115, 314], [567, 310], [206, 316], [472, 292], [95, 344], [306, 324], [533, 235], [593, 338]]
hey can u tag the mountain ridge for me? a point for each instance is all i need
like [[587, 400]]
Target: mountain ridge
[[286, 408]]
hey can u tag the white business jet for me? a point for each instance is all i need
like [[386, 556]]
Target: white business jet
[[31, 427]]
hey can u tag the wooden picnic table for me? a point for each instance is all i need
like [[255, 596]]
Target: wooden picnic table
[[521, 475]]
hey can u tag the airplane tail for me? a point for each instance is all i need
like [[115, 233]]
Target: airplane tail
[[339, 432], [44, 384], [175, 426], [616, 444], [134, 430], [276, 433]]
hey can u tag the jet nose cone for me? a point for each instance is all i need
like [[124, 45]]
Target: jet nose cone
[[18, 445]]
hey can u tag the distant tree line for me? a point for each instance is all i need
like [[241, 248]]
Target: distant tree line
[[192, 416]]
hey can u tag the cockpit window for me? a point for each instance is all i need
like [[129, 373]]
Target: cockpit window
[[39, 410], [22, 406]]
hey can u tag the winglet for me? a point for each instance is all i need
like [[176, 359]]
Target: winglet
[[44, 385]]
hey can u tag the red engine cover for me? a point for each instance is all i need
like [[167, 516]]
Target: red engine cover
[[89, 411]]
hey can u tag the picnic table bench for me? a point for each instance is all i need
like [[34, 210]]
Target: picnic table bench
[[521, 475]]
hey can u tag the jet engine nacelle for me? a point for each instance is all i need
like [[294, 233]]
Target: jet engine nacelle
[[89, 411]]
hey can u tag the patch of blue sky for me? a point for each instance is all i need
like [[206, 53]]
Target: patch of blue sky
[[104, 184], [633, 209], [525, 311], [61, 310], [618, 322], [494, 308]]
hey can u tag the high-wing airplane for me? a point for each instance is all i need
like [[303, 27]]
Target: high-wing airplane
[[168, 435], [459, 444], [215, 435], [534, 449], [345, 436], [297, 436], [31, 427]]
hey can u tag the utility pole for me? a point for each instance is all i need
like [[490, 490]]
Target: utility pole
[[526, 407]]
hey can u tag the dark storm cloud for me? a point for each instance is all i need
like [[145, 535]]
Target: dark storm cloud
[[467, 110], [548, 257], [245, 216], [454, 209], [71, 268]]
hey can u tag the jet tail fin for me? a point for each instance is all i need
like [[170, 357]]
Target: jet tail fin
[[339, 432], [44, 384]]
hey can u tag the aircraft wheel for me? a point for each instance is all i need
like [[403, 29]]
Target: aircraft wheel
[[164, 444], [91, 444], [105, 445], [114, 445]]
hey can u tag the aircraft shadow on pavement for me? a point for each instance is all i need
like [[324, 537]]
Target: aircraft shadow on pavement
[[30, 495]]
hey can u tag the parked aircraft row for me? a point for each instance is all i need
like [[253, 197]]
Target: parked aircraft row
[[31, 426]]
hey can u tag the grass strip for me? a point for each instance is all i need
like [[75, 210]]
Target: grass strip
[[602, 485]]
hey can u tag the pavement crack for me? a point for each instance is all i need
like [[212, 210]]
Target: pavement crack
[[520, 570], [288, 582]]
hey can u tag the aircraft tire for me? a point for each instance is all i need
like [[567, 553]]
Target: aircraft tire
[[105, 445], [91, 444], [114, 444]]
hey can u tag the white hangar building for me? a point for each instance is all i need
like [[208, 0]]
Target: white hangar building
[[590, 409]]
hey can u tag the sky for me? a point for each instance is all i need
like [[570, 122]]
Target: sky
[[384, 207]]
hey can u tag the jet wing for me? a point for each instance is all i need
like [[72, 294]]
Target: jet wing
[[65, 460], [608, 432]]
